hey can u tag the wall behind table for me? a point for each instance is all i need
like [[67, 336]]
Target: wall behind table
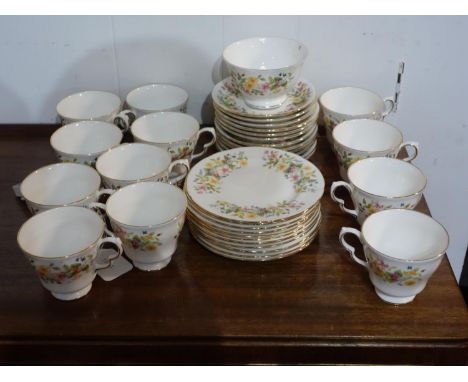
[[46, 58]]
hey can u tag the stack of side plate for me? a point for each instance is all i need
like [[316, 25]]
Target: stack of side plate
[[254, 203], [291, 127]]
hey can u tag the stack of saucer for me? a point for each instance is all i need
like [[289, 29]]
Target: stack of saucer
[[291, 127], [254, 203]]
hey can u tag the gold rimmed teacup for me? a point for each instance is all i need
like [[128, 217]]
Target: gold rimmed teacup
[[381, 183]]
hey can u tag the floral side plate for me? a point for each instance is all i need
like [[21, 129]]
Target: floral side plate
[[226, 97], [255, 184]]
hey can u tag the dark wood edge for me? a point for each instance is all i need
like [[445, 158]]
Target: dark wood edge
[[237, 351]]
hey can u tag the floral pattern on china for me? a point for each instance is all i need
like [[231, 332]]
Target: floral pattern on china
[[143, 241], [293, 184], [391, 274], [370, 207], [50, 273], [228, 97], [260, 85]]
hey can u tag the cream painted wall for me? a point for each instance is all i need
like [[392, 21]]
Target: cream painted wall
[[46, 58]]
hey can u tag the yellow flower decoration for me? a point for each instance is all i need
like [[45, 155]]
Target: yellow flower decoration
[[250, 83], [213, 181], [410, 282], [243, 162], [281, 166]]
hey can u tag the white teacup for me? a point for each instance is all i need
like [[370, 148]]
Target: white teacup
[[402, 249], [155, 98], [137, 162], [342, 104], [84, 141], [175, 132], [93, 105], [148, 218], [61, 184], [265, 69], [357, 139], [381, 183], [62, 245]]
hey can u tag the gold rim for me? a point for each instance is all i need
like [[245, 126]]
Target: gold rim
[[264, 134], [367, 151], [149, 226], [305, 152], [312, 99], [69, 203], [195, 209], [252, 257], [304, 147], [65, 256], [165, 143], [257, 239], [405, 260], [257, 230], [288, 147], [390, 197], [309, 113], [152, 85], [139, 179], [202, 211], [70, 126], [269, 130], [269, 247], [354, 116], [264, 233], [115, 111]]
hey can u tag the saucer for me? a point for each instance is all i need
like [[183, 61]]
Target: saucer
[[227, 98]]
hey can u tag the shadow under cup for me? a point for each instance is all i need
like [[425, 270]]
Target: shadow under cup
[[403, 249], [148, 218]]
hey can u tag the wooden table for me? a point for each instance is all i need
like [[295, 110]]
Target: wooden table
[[314, 307]]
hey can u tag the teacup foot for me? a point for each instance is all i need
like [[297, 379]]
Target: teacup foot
[[152, 266], [394, 299], [74, 295]]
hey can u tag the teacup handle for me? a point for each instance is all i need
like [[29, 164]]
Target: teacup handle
[[350, 248], [341, 202], [95, 206], [117, 243], [124, 120], [210, 130], [183, 162], [414, 145], [389, 106]]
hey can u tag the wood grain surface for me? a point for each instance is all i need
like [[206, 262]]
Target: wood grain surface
[[314, 307]]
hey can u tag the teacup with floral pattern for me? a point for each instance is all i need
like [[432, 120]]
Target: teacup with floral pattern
[[265, 69], [402, 249], [61, 184], [177, 133], [148, 218], [62, 245], [345, 103], [137, 162], [84, 141], [357, 139], [381, 183], [93, 105], [153, 98]]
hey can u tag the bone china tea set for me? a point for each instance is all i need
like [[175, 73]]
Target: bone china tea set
[[257, 199]]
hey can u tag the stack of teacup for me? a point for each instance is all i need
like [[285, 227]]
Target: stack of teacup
[[63, 238], [264, 101], [402, 247]]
